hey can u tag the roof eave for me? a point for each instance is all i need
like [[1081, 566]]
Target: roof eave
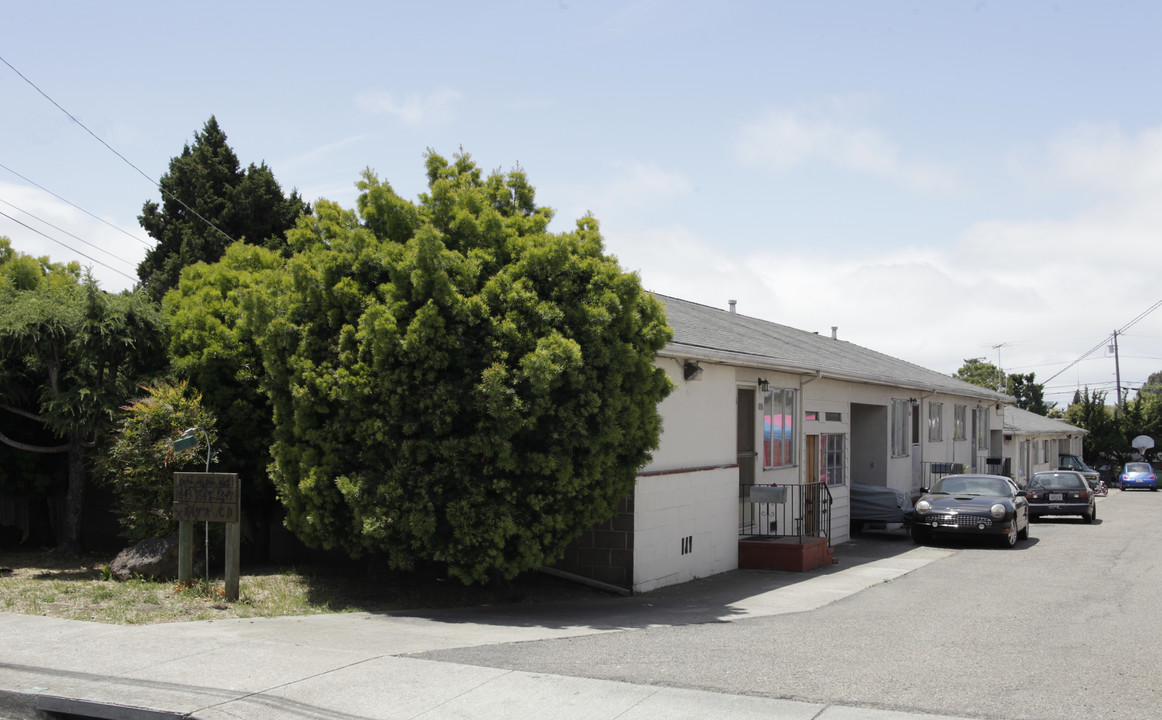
[[765, 362]]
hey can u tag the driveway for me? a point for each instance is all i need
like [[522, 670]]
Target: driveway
[[1064, 626]]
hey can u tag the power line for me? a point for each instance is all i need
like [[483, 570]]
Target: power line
[[58, 197], [49, 237], [66, 232], [1095, 348], [153, 182]]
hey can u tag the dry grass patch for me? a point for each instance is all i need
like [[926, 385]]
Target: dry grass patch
[[41, 583]]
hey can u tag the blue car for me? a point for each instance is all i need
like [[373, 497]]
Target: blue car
[[1139, 475]]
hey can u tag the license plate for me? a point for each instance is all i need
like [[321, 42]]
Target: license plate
[[1056, 497]]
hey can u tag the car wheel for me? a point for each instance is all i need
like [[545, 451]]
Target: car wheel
[[1090, 515], [921, 534], [1024, 534], [1010, 538]]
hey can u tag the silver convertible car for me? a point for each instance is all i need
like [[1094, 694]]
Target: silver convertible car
[[990, 505]]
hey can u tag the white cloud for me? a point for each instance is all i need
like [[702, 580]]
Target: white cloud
[[635, 190], [318, 155], [785, 139], [434, 108], [1044, 289], [1102, 157], [112, 255], [644, 184]]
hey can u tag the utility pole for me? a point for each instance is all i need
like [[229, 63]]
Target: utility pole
[[1117, 376]]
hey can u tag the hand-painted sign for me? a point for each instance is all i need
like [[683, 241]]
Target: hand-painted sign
[[206, 497]]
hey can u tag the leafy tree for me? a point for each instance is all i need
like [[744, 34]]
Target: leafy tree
[[453, 383], [208, 201], [25, 475], [1030, 395], [69, 356], [1106, 441], [1152, 387], [982, 373], [140, 461], [214, 348]]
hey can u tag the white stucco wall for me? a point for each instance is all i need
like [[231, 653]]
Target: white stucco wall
[[689, 489], [686, 508], [701, 506], [698, 419]]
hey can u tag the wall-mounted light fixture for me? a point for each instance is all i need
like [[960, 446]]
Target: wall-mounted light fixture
[[764, 385], [691, 371], [914, 402]]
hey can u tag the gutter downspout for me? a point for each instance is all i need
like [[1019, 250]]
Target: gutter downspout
[[923, 395]]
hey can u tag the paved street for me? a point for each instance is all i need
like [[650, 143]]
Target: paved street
[[1065, 626]]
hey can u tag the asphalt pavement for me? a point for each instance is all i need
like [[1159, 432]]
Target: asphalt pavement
[[363, 666]]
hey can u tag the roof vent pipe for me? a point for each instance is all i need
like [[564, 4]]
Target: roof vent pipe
[[732, 304], [834, 332]]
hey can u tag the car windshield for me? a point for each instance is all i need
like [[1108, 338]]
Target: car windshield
[[1064, 481], [968, 485], [1138, 468]]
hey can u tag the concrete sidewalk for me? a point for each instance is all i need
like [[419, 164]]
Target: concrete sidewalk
[[355, 666]]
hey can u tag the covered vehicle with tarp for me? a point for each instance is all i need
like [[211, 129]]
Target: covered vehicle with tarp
[[878, 504]]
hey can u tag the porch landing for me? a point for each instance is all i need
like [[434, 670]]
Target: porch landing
[[792, 554]]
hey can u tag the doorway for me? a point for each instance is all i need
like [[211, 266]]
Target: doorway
[[745, 431]]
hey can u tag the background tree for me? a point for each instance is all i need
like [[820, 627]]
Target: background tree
[[139, 461], [210, 345], [453, 383], [1152, 387], [27, 476], [69, 356], [1106, 442], [982, 373], [1030, 394], [230, 204]]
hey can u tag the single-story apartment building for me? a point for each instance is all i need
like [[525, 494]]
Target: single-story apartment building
[[1032, 442], [762, 405]]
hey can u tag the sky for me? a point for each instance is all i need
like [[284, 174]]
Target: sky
[[937, 180]]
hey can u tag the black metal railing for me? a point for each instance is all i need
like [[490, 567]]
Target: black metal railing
[[999, 466], [784, 511], [933, 471]]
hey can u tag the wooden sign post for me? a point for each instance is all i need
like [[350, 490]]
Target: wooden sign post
[[208, 497]]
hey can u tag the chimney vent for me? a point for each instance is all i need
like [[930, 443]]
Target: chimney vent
[[834, 332], [732, 304]]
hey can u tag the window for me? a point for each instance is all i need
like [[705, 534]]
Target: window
[[982, 430], [833, 417], [778, 428], [901, 410], [811, 415], [1045, 451], [960, 422], [935, 422], [831, 459]]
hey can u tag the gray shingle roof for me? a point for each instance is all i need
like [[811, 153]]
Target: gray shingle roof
[[1023, 422], [707, 333]]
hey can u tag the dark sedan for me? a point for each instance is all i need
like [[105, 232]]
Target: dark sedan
[[1061, 492], [990, 505]]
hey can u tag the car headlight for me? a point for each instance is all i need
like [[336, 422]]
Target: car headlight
[[923, 507], [998, 511]]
